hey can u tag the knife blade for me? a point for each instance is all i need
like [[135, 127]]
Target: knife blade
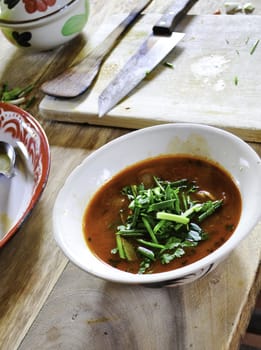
[[78, 78], [151, 52]]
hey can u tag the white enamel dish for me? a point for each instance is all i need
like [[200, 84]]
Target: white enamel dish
[[20, 193], [233, 154]]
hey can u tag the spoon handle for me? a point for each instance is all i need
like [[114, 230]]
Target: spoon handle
[[7, 159]]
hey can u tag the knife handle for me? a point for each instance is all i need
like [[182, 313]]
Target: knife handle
[[168, 21]]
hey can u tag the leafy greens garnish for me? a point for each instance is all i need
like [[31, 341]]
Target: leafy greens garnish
[[163, 221], [17, 96], [254, 47]]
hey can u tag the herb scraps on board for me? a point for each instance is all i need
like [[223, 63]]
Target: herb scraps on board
[[254, 47], [178, 222], [168, 64], [233, 7], [17, 96]]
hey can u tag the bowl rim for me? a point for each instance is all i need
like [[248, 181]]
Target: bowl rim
[[46, 160], [38, 20], [129, 278]]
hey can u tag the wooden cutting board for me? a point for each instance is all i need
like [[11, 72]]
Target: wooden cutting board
[[215, 78]]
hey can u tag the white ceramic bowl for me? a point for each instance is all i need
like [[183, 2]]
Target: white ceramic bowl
[[229, 151], [50, 29]]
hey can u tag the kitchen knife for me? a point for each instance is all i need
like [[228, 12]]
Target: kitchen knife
[[152, 51], [76, 80]]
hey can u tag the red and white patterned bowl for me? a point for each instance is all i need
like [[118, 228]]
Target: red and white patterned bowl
[[19, 194]]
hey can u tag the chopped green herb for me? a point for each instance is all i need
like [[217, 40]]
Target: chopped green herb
[[236, 80], [120, 247], [163, 222], [17, 95], [248, 7], [146, 252], [144, 265], [208, 208], [128, 250], [254, 47], [168, 257], [168, 64], [181, 219], [232, 7]]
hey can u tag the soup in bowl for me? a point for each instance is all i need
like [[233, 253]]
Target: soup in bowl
[[199, 182]]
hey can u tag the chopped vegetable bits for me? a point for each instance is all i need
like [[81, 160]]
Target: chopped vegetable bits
[[163, 221], [17, 95]]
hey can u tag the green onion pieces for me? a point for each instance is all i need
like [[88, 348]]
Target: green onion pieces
[[162, 222]]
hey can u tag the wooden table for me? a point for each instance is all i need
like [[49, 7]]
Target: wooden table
[[47, 303]]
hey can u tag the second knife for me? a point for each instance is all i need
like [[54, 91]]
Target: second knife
[[151, 52], [77, 79]]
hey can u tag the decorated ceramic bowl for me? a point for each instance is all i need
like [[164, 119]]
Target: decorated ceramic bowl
[[44, 24], [218, 146], [20, 193], [24, 10]]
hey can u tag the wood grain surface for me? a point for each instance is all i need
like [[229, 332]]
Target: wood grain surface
[[47, 303], [102, 315]]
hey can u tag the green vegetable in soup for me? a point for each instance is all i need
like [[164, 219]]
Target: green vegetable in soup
[[163, 221]]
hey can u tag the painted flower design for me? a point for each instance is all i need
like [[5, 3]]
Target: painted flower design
[[11, 3], [22, 39], [32, 6]]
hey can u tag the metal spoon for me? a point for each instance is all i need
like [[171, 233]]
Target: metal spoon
[[7, 159]]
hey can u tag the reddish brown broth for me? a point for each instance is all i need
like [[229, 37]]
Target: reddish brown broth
[[102, 214]]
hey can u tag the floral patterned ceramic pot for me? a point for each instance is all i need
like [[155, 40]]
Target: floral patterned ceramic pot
[[31, 26], [24, 10]]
